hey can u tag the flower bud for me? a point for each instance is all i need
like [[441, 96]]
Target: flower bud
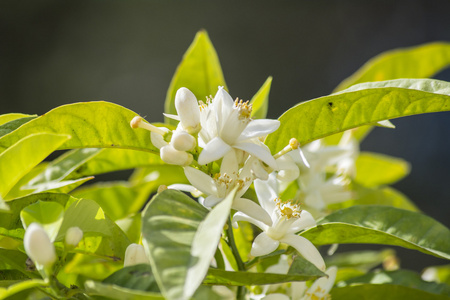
[[188, 110], [288, 170], [73, 236], [38, 246], [174, 157], [157, 140], [182, 141], [134, 255]]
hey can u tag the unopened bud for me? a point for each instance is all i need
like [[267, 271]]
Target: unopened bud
[[73, 236], [134, 255], [157, 140], [288, 170], [174, 157], [138, 122], [161, 188], [188, 110], [182, 141], [38, 246]]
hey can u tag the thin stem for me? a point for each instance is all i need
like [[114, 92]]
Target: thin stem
[[241, 291]]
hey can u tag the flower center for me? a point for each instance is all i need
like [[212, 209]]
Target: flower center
[[288, 209], [244, 109], [225, 183], [319, 294]]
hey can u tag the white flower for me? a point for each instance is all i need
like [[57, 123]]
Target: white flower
[[182, 141], [320, 289], [73, 236], [174, 157], [221, 185], [226, 124], [38, 246], [287, 219], [188, 111], [134, 255]]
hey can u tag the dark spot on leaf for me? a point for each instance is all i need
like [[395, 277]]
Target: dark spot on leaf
[[330, 104]]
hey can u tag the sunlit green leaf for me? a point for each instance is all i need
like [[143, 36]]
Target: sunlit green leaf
[[260, 101], [362, 260], [137, 277], [18, 190], [48, 214], [415, 62], [169, 224], [222, 277], [199, 71], [100, 234], [401, 278], [91, 125], [14, 124], [12, 259], [205, 243], [382, 292], [12, 220], [380, 195], [13, 116], [92, 267], [117, 292], [19, 287], [362, 104], [23, 155], [372, 224], [374, 169], [131, 226]]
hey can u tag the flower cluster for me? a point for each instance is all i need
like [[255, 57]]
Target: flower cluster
[[221, 149]]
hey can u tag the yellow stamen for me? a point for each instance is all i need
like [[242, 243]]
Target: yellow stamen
[[288, 209], [244, 108], [293, 144]]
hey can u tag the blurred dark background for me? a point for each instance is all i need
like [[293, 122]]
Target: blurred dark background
[[57, 52]]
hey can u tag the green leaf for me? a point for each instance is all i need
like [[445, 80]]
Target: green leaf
[[49, 214], [14, 260], [131, 226], [222, 277], [14, 124], [12, 220], [260, 101], [372, 224], [205, 243], [100, 234], [137, 277], [363, 104], [381, 196], [117, 292], [19, 287], [169, 224], [373, 169], [110, 159], [402, 278], [92, 267], [362, 260], [199, 71], [23, 155], [91, 125], [13, 116], [381, 292], [415, 62]]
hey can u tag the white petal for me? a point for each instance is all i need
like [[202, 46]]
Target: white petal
[[306, 220], [257, 128], [157, 140], [185, 188], [214, 150], [276, 296], [305, 248], [222, 105], [210, 201], [239, 216], [201, 181], [263, 245], [325, 283], [173, 117], [261, 152], [229, 163], [252, 209], [288, 169], [187, 108], [267, 192]]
